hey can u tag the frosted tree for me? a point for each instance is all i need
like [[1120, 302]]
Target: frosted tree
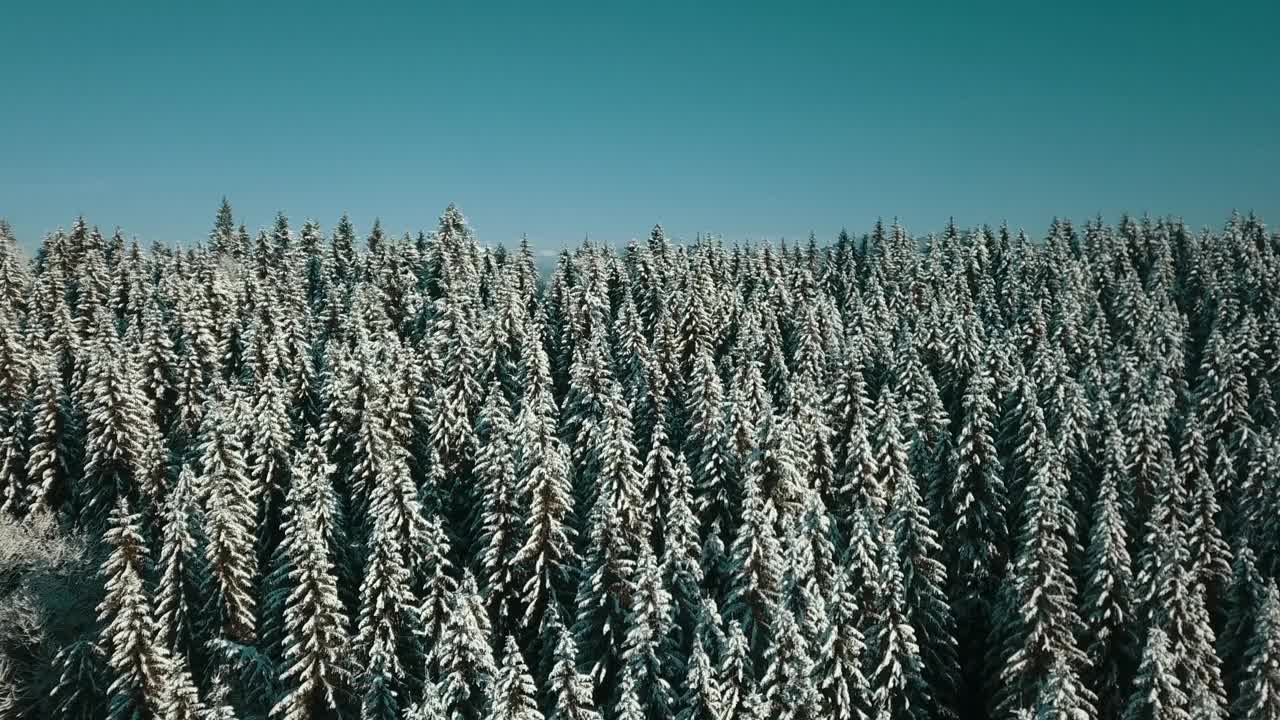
[[618, 538], [704, 446], [513, 691], [571, 693], [1158, 693], [466, 660], [788, 684], [628, 706], [229, 515], [269, 456], [501, 518], [1210, 556], [924, 580], [895, 668], [437, 587], [315, 625], [839, 657], [180, 568], [456, 392], [1259, 694], [975, 504], [681, 564], [734, 673], [122, 445], [1042, 623], [700, 697], [658, 482], [545, 488], [649, 649], [1107, 595], [180, 699], [754, 596], [389, 620], [1241, 605], [428, 707], [51, 461], [136, 660], [891, 461], [222, 237], [774, 469], [855, 459]]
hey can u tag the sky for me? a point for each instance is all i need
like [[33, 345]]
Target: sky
[[563, 120]]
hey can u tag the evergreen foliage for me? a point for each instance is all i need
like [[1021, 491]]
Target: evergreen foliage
[[330, 474]]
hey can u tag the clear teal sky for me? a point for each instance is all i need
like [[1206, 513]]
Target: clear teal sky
[[751, 119]]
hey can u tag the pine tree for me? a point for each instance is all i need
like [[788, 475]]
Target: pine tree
[[388, 623], [754, 596], [700, 698], [314, 621], [976, 503], [1259, 696], [896, 670], [1158, 690], [500, 518], [181, 699], [466, 659], [122, 448], [839, 657], [1042, 623], [924, 581], [513, 693], [649, 650], [545, 488], [179, 587], [1107, 597], [788, 684], [129, 629], [51, 461], [229, 515], [572, 695]]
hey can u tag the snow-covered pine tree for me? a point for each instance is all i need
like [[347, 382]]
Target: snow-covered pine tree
[[136, 658], [700, 697], [754, 597], [123, 449], [1259, 694], [314, 669], [545, 487], [570, 693], [649, 647], [513, 691], [230, 511], [1107, 594], [788, 685], [499, 518], [178, 592], [467, 667], [1040, 623], [51, 459], [840, 654], [389, 622], [1158, 693], [924, 585], [895, 667]]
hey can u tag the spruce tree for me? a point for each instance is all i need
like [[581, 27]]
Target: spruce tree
[[136, 660], [513, 692], [315, 625], [1259, 695]]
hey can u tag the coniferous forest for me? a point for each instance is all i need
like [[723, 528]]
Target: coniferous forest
[[334, 473]]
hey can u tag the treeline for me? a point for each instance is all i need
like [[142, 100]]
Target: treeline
[[309, 474]]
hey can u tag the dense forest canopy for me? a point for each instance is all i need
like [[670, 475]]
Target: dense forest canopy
[[310, 474]]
